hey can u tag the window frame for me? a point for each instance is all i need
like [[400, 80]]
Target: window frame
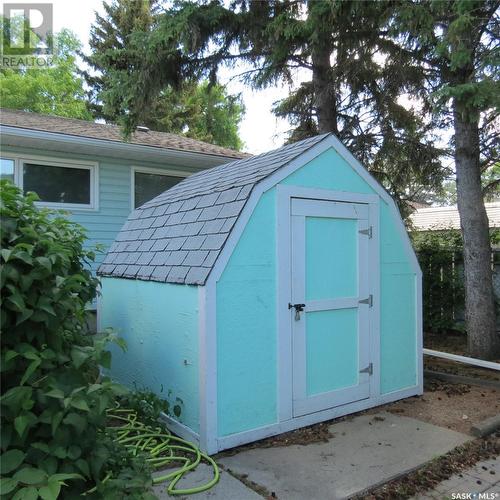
[[93, 167], [156, 171]]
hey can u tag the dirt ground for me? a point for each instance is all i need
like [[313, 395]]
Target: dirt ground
[[454, 406]]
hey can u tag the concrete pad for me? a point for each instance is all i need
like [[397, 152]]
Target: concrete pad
[[365, 451], [227, 488]]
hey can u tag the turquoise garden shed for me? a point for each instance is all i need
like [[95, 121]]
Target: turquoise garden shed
[[267, 294]]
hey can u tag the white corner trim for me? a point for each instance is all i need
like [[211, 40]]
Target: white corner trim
[[234, 440], [180, 430], [207, 366]]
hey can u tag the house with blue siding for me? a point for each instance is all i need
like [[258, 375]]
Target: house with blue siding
[[90, 171]]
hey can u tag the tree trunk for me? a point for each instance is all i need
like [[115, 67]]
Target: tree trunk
[[325, 103], [480, 321], [324, 94]]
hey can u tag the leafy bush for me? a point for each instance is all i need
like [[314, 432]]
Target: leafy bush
[[53, 409], [149, 406], [441, 259]]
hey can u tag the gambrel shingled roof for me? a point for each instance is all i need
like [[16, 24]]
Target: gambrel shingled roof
[[178, 236]]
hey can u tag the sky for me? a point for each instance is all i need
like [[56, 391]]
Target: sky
[[260, 130]]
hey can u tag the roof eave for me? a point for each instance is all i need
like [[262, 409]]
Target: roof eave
[[40, 139]]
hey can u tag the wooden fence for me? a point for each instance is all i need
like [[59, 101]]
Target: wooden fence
[[443, 289]]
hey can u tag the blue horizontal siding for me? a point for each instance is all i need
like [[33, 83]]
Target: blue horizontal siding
[[115, 197]]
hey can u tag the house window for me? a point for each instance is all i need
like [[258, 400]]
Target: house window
[[58, 184], [7, 167], [149, 184]]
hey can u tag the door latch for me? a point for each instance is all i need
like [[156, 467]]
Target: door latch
[[298, 309], [368, 369]]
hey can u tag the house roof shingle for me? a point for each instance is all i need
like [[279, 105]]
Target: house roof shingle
[[178, 236], [108, 132], [442, 218]]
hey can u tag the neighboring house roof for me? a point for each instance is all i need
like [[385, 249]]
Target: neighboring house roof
[[178, 236], [441, 218], [108, 132]]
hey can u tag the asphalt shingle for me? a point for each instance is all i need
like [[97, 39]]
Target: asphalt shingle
[[178, 236]]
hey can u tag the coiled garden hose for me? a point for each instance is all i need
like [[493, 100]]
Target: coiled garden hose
[[162, 448]]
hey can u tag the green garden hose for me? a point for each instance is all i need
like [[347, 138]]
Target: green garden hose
[[162, 449]]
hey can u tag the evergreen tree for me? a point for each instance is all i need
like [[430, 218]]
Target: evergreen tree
[[357, 75], [182, 106], [457, 45]]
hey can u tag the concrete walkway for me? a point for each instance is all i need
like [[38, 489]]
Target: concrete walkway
[[480, 481], [365, 451], [228, 488]]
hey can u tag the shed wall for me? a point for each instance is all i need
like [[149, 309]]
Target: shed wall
[[159, 322], [246, 305]]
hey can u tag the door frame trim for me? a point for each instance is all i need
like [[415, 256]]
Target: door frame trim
[[284, 194]]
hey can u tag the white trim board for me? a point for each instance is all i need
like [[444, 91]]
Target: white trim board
[[180, 430]]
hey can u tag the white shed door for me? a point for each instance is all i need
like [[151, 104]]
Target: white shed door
[[330, 303]]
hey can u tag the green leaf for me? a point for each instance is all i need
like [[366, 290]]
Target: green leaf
[[55, 393], [30, 370], [5, 252], [11, 460], [83, 466], [21, 255], [44, 262], [16, 302], [24, 421], [41, 446], [15, 397], [105, 360], [7, 484], [74, 452], [10, 355], [79, 356], [94, 387], [56, 420], [26, 314], [80, 404], [30, 475], [51, 491], [65, 477], [78, 422], [29, 493]]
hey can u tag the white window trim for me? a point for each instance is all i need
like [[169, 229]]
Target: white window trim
[[93, 167], [156, 171]]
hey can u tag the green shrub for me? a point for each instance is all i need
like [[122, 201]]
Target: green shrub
[[149, 406], [440, 257], [440, 254], [53, 408]]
